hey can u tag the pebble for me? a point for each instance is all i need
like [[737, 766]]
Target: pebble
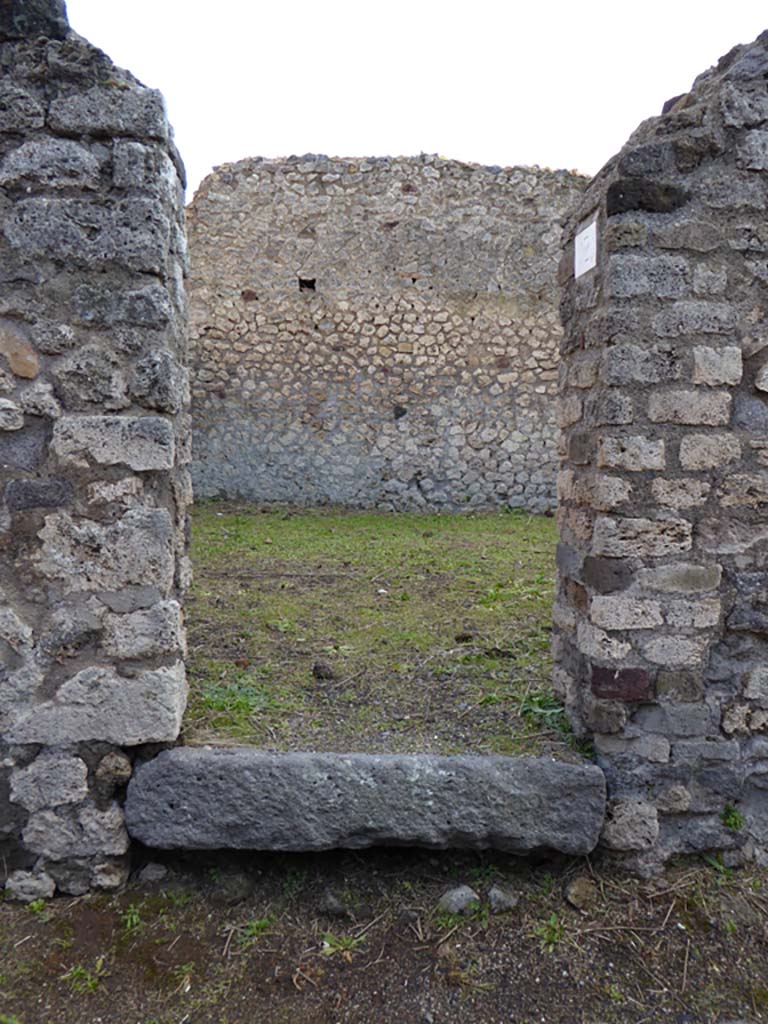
[[501, 901], [461, 900]]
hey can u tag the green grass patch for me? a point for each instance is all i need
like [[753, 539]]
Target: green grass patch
[[433, 631]]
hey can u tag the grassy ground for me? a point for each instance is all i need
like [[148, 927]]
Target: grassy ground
[[376, 632], [359, 939]]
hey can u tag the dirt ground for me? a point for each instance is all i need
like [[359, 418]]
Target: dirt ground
[[347, 631], [357, 938]]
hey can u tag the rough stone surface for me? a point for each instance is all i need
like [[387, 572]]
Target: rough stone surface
[[247, 799], [662, 611], [377, 332], [93, 487], [461, 900]]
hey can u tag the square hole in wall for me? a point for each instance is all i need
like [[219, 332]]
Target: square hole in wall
[[307, 284]]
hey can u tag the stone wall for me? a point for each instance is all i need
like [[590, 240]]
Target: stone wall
[[377, 332], [93, 438], [663, 604]]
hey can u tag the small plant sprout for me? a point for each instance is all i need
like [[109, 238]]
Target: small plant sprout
[[732, 818], [550, 932], [253, 930], [344, 945], [83, 981], [131, 918]]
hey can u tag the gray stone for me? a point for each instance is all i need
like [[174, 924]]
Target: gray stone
[[11, 416], [50, 163], [111, 111], [461, 900], [132, 232], [24, 494], [249, 799], [149, 633], [631, 824], [84, 555], [27, 886], [52, 779], [27, 19], [500, 901], [20, 111], [675, 720], [90, 832], [141, 442], [152, 873], [98, 704]]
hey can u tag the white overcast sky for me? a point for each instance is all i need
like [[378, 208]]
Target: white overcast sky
[[490, 81]]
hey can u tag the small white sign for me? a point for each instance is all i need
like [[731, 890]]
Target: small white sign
[[585, 250]]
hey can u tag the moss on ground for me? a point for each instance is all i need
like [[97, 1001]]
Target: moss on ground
[[332, 630]]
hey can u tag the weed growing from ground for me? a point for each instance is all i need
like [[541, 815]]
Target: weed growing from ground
[[550, 933]]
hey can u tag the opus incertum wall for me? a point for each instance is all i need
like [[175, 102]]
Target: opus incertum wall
[[662, 615], [93, 438], [376, 332]]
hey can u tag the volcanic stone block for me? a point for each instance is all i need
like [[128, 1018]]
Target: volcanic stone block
[[20, 19], [241, 798]]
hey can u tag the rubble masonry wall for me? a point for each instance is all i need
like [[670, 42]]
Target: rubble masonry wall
[[94, 441]]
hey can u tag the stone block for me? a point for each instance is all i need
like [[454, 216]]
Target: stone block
[[153, 632], [626, 684], [742, 108], [89, 833], [11, 416], [755, 684], [716, 366], [28, 886], [84, 555], [643, 538], [609, 409], [142, 442], [249, 799], [97, 704], [708, 451], [609, 492], [712, 408], [606, 575], [52, 779], [644, 748], [634, 454], [26, 494], [110, 112], [695, 752], [630, 824], [676, 651], [132, 232], [19, 352], [50, 164], [695, 317], [20, 110], [622, 612], [749, 490], [723, 537], [597, 644], [675, 719], [627, 364], [700, 614], [752, 153], [28, 19], [664, 277], [681, 493], [710, 281], [629, 194], [700, 236], [569, 410], [601, 717], [681, 686]]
